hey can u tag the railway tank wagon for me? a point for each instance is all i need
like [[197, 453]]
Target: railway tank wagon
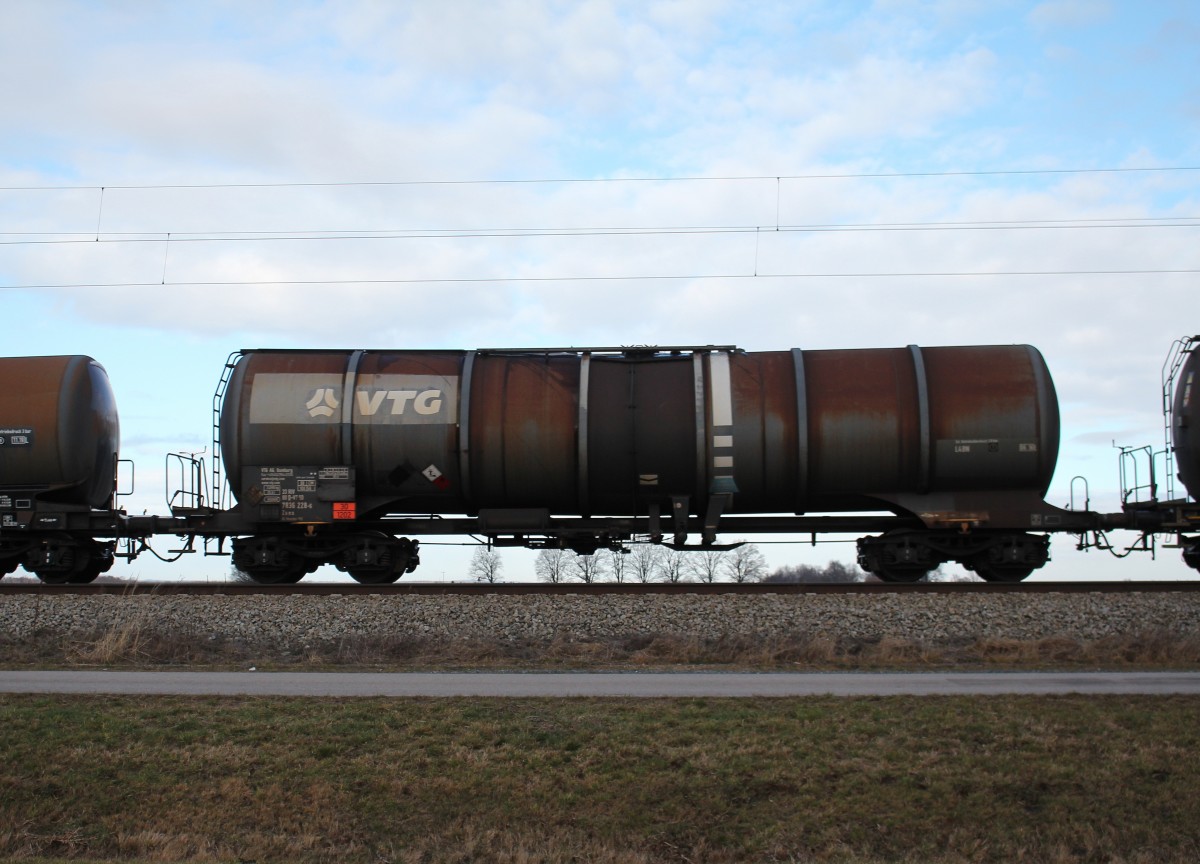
[[345, 457], [59, 441], [947, 452]]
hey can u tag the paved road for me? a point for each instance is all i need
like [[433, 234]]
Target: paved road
[[715, 684]]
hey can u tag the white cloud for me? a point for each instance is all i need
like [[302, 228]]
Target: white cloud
[[1070, 13]]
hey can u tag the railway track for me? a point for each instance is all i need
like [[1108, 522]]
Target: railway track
[[602, 589]]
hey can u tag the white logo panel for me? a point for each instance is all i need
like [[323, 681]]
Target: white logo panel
[[282, 397]]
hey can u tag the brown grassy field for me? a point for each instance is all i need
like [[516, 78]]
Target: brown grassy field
[[860, 781], [139, 645], [945, 779]]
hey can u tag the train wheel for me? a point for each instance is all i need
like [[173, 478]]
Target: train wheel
[[1001, 572], [900, 556], [286, 576], [377, 559], [372, 577], [85, 576], [1011, 558], [900, 574], [81, 576], [277, 575], [8, 565], [267, 561], [1191, 552]]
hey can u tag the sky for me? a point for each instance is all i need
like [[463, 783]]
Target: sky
[[179, 181]]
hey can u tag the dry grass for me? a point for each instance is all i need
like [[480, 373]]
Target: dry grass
[[125, 643], [138, 643], [942, 779], [1153, 648]]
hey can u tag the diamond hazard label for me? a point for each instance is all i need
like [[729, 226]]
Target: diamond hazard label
[[435, 476]]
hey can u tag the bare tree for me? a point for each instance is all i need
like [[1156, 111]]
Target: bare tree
[[589, 568], [644, 561], [834, 571], [618, 563], [485, 565], [551, 565], [673, 566], [707, 564], [746, 564]]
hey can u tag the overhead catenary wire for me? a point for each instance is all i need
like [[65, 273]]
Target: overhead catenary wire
[[608, 278], [864, 175], [517, 233], [305, 235]]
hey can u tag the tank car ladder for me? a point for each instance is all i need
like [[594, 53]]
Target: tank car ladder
[[220, 485]]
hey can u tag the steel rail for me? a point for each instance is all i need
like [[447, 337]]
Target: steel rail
[[596, 589]]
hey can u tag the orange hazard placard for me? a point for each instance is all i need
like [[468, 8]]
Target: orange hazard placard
[[344, 510]]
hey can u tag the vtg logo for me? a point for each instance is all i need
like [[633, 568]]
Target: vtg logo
[[427, 403], [322, 403], [423, 402]]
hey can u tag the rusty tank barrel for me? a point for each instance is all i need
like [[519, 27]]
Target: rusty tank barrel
[[620, 431], [59, 432]]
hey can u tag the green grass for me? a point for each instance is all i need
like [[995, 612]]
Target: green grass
[[941, 779]]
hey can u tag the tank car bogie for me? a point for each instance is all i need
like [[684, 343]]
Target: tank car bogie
[[1010, 557], [69, 560], [375, 558], [899, 556], [371, 557], [271, 560], [995, 556]]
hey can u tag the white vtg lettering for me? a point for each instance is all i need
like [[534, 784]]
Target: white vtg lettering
[[424, 402]]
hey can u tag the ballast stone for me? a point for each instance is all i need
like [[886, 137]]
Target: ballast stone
[[292, 623]]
